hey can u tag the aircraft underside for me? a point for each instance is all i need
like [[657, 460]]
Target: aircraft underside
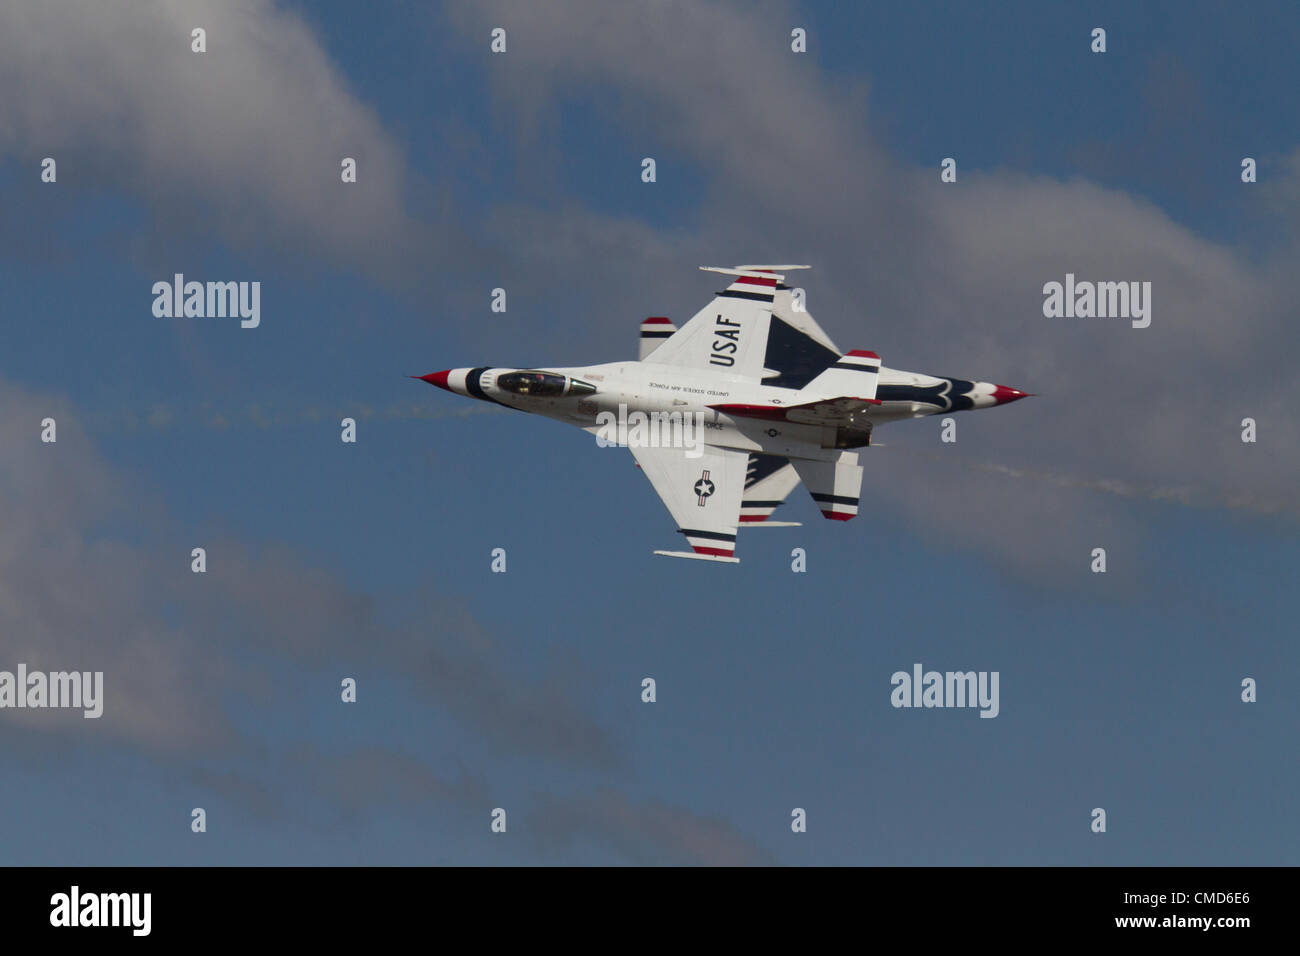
[[729, 413]]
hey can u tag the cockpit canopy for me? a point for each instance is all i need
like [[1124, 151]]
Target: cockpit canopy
[[536, 384], [542, 384]]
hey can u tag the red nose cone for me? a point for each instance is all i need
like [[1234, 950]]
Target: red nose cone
[[1002, 394], [435, 378]]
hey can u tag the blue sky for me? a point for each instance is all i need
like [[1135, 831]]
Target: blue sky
[[522, 690]]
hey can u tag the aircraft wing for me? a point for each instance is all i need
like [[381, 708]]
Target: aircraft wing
[[702, 494], [729, 335], [751, 330], [783, 306]]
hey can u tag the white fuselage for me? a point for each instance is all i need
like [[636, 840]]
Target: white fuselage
[[621, 388]]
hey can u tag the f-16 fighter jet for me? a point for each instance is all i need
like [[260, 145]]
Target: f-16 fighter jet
[[727, 414]]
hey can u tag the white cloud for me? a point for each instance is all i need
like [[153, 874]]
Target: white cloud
[[244, 140]]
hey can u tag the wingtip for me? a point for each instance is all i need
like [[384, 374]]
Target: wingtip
[[720, 559]]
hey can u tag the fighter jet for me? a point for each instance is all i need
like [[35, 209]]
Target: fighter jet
[[727, 414]]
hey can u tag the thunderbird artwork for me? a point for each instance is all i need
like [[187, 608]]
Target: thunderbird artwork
[[760, 396]]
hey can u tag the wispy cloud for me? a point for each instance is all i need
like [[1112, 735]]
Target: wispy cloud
[[244, 140], [647, 832], [177, 648], [168, 416], [1184, 495]]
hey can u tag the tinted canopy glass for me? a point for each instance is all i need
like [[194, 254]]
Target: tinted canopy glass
[[535, 384]]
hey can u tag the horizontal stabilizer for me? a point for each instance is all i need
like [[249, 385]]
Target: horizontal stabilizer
[[853, 374], [653, 332], [834, 485], [769, 479]]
